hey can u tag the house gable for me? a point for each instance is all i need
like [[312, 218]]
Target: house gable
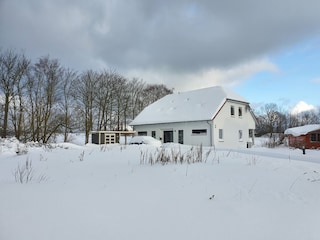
[[234, 125]]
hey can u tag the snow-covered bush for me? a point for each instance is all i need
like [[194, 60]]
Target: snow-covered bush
[[174, 155], [26, 173]]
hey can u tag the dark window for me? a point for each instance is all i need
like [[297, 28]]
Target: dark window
[[167, 136], [199, 131], [240, 112], [250, 132], [180, 136], [144, 133], [315, 137], [153, 134], [232, 110]]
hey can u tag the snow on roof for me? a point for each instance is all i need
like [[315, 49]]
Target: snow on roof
[[303, 130], [196, 105]]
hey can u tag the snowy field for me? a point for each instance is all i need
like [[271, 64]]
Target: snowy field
[[82, 192]]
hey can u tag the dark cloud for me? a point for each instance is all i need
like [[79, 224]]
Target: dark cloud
[[181, 36]]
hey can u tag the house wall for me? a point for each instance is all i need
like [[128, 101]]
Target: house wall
[[297, 142], [304, 140], [231, 125], [188, 137]]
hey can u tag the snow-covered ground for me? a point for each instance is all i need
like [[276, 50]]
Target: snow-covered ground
[[86, 192]]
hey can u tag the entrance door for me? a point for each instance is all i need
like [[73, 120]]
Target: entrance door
[[167, 136]]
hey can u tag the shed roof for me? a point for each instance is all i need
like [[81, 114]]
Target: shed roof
[[196, 105], [302, 130]]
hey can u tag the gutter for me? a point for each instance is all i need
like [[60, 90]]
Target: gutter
[[209, 123]]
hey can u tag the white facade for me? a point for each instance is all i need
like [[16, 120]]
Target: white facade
[[158, 131], [237, 129], [229, 124]]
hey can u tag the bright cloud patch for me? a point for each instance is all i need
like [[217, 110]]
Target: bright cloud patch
[[207, 77], [233, 76], [302, 107]]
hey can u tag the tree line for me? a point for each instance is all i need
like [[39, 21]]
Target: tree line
[[273, 120], [41, 99]]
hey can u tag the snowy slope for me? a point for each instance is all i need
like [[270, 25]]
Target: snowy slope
[[104, 192]]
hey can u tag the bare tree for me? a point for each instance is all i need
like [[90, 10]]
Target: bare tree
[[69, 79], [153, 92], [120, 96], [272, 121], [308, 117], [13, 67], [104, 99], [84, 93], [44, 93], [304, 118], [136, 87], [41, 99]]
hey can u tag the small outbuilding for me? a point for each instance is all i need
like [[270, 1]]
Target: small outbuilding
[[307, 136], [109, 137]]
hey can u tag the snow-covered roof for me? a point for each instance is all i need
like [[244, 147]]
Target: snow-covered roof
[[196, 105], [303, 130]]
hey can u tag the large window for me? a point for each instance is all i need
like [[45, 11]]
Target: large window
[[153, 134], [199, 132], [180, 136], [167, 136]]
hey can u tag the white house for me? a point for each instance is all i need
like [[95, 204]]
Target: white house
[[212, 116]]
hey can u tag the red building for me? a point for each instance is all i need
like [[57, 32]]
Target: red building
[[307, 136]]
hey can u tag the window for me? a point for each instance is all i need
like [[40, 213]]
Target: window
[[199, 132], [251, 133], [232, 111], [220, 134], [153, 134], [144, 133], [240, 135], [315, 137], [180, 136], [167, 136], [240, 112]]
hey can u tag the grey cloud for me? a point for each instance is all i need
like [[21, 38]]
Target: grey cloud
[[181, 36]]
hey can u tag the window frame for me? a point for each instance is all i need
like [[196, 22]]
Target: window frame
[[180, 136], [314, 137], [240, 135], [142, 133], [240, 112], [232, 113], [198, 132], [220, 135]]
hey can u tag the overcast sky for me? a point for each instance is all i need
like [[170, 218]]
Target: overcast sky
[[267, 51]]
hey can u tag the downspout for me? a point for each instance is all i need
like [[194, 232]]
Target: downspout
[[209, 123]]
